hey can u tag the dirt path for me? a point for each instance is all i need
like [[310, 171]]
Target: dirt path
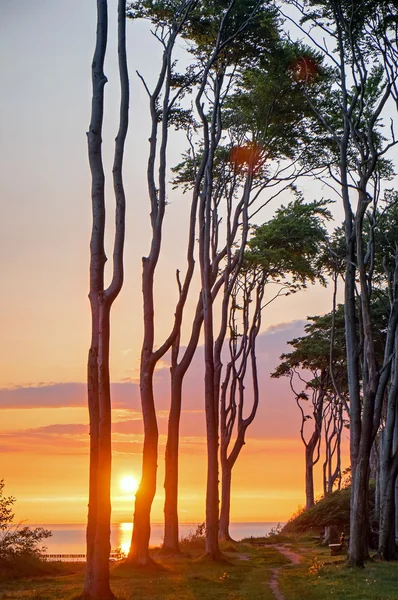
[[294, 560]]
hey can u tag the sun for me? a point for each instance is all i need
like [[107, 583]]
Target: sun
[[128, 484]]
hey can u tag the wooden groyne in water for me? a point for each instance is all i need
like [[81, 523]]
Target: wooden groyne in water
[[75, 557]]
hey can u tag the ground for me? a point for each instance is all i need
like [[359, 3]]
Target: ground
[[280, 568]]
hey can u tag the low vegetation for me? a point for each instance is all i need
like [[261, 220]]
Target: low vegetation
[[244, 574], [21, 549], [333, 510]]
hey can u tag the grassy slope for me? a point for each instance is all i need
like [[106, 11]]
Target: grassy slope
[[321, 576], [244, 576]]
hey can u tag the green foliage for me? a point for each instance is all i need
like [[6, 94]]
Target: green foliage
[[358, 81], [268, 107], [312, 351], [382, 226], [243, 30], [291, 243]]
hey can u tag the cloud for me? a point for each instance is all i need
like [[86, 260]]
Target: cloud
[[59, 395], [127, 436], [277, 414]]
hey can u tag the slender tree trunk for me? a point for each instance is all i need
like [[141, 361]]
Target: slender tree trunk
[[93, 406], [396, 511], [211, 408], [225, 501], [96, 585], [309, 476], [211, 404], [139, 549], [171, 534], [101, 588], [389, 454], [387, 547], [97, 571], [359, 520]]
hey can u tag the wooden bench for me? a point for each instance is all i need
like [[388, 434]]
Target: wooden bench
[[335, 549]]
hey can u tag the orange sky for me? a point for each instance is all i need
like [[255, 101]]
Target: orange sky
[[44, 311], [44, 445]]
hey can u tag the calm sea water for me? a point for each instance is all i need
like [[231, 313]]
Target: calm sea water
[[71, 539]]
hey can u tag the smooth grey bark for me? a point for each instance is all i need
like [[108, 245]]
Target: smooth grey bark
[[139, 549], [96, 584], [387, 549]]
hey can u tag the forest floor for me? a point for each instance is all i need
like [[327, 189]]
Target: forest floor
[[277, 568]]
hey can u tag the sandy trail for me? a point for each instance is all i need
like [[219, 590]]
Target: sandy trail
[[294, 560]]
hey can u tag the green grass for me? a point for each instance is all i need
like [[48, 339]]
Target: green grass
[[244, 571], [378, 581], [244, 575]]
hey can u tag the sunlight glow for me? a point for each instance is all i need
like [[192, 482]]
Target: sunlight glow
[[125, 547], [128, 484]]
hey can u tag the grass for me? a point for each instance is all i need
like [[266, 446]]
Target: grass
[[181, 578], [244, 575]]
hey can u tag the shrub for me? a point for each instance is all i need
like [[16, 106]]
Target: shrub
[[195, 540], [19, 544]]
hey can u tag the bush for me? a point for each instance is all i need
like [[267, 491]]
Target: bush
[[195, 540], [19, 545]]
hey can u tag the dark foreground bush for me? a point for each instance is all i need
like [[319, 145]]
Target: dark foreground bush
[[21, 553], [195, 540], [30, 565]]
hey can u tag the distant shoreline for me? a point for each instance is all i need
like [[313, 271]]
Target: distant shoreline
[[70, 538]]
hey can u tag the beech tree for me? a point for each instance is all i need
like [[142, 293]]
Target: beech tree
[[96, 584], [266, 124], [351, 118], [165, 111], [240, 26], [311, 355], [284, 251], [212, 29], [235, 34], [385, 240]]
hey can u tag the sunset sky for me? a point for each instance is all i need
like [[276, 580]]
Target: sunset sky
[[45, 58]]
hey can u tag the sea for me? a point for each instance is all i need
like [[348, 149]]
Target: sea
[[71, 539]]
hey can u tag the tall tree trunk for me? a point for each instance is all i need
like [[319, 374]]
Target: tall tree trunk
[[309, 476], [387, 547], [211, 408], [171, 533], [139, 550], [225, 501], [178, 371], [389, 448], [359, 518], [96, 585], [211, 404], [396, 511]]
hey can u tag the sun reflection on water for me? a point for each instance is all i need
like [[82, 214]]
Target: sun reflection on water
[[124, 537]]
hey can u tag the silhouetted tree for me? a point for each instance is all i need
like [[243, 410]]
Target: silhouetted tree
[[96, 585]]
